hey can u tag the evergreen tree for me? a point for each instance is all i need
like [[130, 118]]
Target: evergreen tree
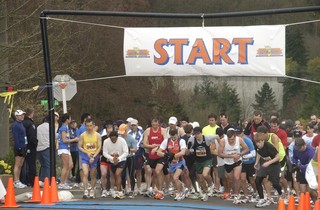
[[217, 97], [229, 102], [295, 47], [291, 87], [297, 56], [265, 100], [312, 90]]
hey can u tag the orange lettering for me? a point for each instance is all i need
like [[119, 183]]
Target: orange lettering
[[243, 51], [221, 48], [178, 49], [158, 46], [199, 51]]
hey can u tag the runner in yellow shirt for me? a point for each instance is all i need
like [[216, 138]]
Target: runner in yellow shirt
[[89, 147]]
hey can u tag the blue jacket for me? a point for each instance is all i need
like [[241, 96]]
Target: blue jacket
[[19, 135]]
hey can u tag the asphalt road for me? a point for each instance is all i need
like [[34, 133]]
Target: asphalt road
[[139, 202]]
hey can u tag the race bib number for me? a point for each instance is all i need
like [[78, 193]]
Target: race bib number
[[91, 147], [201, 152]]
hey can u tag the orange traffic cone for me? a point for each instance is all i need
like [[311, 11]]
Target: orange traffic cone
[[307, 201], [54, 190], [36, 195], [281, 205], [317, 205], [46, 198], [302, 202], [10, 200], [292, 205]]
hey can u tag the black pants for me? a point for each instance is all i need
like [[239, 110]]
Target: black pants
[[130, 166], [275, 184], [29, 169], [75, 159]]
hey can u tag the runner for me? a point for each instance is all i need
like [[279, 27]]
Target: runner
[[137, 134], [229, 149], [128, 174], [174, 149], [107, 180], [267, 164], [152, 138], [200, 145], [89, 146], [115, 149]]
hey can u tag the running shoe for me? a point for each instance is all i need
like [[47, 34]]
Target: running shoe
[[104, 194], [204, 197], [263, 203], [159, 195], [225, 196], [86, 194], [91, 194], [236, 200], [19, 185], [131, 194]]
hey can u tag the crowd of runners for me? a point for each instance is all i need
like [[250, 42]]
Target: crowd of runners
[[252, 162]]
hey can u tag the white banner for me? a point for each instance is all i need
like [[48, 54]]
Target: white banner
[[216, 51]]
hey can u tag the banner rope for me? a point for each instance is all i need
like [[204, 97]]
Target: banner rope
[[301, 79], [299, 23], [121, 27], [82, 22]]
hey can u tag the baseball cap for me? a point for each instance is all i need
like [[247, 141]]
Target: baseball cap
[[195, 124], [173, 120], [122, 129], [238, 130], [289, 123], [118, 122], [129, 119], [134, 122], [56, 114], [299, 142], [297, 134], [19, 112], [197, 130]]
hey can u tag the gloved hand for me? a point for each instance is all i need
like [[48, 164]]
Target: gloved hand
[[169, 156]]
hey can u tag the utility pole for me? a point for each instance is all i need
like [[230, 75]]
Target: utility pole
[[4, 81]]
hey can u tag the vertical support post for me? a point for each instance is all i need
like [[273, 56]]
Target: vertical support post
[[46, 56], [64, 100]]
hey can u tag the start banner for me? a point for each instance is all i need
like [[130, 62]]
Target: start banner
[[216, 51]]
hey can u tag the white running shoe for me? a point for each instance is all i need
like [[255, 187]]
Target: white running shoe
[[19, 185], [64, 186], [86, 194], [104, 194], [91, 194], [204, 197]]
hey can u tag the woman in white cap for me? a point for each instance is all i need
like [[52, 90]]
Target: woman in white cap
[[20, 147]]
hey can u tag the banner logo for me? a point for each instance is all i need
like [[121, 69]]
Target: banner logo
[[268, 51], [137, 53]]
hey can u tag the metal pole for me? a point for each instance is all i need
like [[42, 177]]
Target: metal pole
[[184, 15], [64, 100], [46, 56]]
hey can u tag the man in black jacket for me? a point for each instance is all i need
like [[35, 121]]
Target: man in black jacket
[[31, 157]]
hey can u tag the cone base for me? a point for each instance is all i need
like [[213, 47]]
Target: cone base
[[16, 206]]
